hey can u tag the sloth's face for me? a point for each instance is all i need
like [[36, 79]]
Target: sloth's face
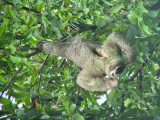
[[115, 67], [116, 71]]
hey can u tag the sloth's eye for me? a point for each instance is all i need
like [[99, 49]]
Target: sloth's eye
[[119, 70], [96, 53]]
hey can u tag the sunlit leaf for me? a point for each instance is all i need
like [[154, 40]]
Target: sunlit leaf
[[19, 112], [40, 7], [20, 95], [141, 8], [72, 108], [86, 10], [132, 16], [116, 8], [15, 59], [2, 78], [77, 116], [2, 29], [5, 101], [13, 49], [108, 3], [88, 21], [152, 14], [144, 27]]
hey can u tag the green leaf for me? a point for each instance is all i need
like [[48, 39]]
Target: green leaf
[[152, 14], [39, 8], [157, 118], [24, 48], [114, 103], [11, 13], [100, 22], [132, 16], [44, 20], [72, 108], [20, 95], [19, 87], [44, 117], [131, 33], [6, 21], [53, 112], [16, 1], [31, 21], [97, 13], [24, 60], [116, 8], [2, 78], [19, 112], [2, 29], [66, 104], [107, 3], [77, 116], [33, 40], [62, 7], [24, 2], [13, 49], [15, 42], [86, 10], [5, 101], [29, 113], [141, 8], [88, 21], [15, 59], [141, 59], [69, 15], [156, 112], [144, 28]]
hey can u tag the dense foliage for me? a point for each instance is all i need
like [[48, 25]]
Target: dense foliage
[[44, 87]]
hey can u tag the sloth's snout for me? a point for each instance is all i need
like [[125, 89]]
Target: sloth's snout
[[117, 71]]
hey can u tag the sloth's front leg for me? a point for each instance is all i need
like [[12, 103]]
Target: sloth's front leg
[[95, 83]]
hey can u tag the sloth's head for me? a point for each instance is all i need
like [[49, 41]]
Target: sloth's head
[[115, 67]]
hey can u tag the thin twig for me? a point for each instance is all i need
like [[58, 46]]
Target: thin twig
[[77, 99], [9, 82], [109, 112], [35, 80], [140, 79], [119, 113], [63, 62], [40, 72], [139, 111], [33, 53]]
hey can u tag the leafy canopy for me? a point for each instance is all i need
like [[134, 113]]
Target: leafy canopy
[[39, 86]]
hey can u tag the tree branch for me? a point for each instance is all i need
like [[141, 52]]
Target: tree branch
[[9, 82], [40, 72], [62, 63], [109, 112]]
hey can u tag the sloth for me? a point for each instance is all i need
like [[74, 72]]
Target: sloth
[[101, 64]]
